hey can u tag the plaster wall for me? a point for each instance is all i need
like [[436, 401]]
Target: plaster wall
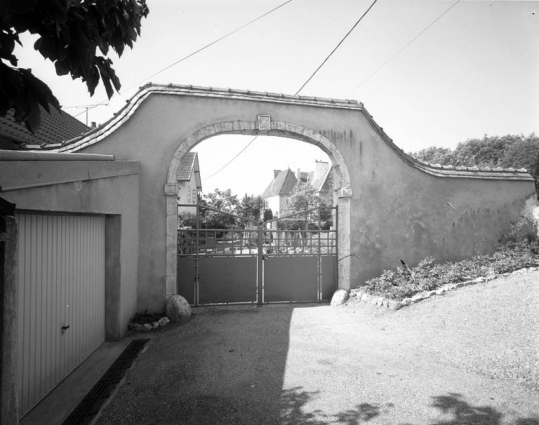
[[397, 210], [88, 187], [187, 194], [274, 204]]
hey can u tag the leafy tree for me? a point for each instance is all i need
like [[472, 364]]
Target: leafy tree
[[222, 200], [523, 153], [251, 207], [495, 151], [304, 197], [485, 152], [435, 155], [70, 32], [268, 214]]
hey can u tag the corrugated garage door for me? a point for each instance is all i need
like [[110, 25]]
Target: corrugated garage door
[[61, 309]]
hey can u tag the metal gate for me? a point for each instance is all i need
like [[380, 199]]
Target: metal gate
[[288, 259]]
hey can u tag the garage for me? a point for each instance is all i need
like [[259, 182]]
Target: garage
[[61, 299]]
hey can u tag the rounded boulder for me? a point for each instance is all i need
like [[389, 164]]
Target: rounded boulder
[[339, 297], [178, 309]]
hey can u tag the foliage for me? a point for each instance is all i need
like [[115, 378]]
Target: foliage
[[508, 151], [519, 249], [69, 34], [268, 214], [435, 155], [223, 200], [252, 207], [304, 197]]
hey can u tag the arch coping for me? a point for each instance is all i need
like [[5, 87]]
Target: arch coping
[[144, 92]]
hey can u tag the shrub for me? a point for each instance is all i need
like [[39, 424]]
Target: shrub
[[519, 248]]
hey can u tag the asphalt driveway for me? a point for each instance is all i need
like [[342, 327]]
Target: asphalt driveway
[[471, 357]]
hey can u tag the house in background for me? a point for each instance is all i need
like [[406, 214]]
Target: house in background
[[279, 189], [55, 128], [284, 182], [189, 182], [322, 180]]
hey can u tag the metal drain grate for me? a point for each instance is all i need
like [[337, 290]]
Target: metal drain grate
[[89, 407]]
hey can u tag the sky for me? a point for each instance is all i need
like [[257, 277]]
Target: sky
[[430, 76]]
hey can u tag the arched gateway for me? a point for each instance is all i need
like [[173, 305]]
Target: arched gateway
[[391, 206]]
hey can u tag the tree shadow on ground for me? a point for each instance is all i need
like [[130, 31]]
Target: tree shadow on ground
[[294, 410], [464, 413]]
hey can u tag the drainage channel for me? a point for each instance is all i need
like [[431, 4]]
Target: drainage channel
[[89, 407]]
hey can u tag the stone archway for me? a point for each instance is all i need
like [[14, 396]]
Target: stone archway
[[264, 126]]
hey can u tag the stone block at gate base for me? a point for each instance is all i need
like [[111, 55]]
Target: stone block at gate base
[[178, 309], [339, 297]]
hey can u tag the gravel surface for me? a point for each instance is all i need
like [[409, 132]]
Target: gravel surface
[[491, 327], [469, 357]]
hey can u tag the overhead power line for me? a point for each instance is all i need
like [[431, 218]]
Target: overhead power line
[[402, 49], [212, 43], [301, 88], [336, 47], [229, 162], [199, 50]]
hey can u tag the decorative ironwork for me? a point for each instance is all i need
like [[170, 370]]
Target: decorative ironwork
[[279, 265]]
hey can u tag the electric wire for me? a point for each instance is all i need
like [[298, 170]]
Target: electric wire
[[402, 49], [304, 84], [212, 43], [198, 51], [336, 47], [229, 162]]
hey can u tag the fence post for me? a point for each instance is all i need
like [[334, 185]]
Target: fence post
[[260, 264]]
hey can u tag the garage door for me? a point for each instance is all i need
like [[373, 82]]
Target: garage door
[[61, 313]]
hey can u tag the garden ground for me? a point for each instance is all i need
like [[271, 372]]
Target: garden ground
[[469, 357]]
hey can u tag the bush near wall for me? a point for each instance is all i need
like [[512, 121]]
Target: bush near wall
[[518, 249]]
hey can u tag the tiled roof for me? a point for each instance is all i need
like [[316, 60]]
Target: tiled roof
[[187, 166], [281, 185], [320, 175], [55, 128]]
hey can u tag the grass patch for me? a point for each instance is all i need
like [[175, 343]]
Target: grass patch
[[519, 249]]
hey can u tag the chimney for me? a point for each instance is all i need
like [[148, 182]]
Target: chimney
[[298, 175], [276, 173], [93, 125]]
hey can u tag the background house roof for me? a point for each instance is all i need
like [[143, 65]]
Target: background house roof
[[281, 185], [319, 176], [55, 128], [188, 166]]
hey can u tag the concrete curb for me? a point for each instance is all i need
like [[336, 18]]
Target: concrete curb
[[396, 305]]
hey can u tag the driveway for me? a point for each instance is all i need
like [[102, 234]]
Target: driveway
[[470, 357]]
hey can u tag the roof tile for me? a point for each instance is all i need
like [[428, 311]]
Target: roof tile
[[186, 168], [281, 185], [55, 127]]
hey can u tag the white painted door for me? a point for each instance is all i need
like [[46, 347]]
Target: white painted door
[[61, 310]]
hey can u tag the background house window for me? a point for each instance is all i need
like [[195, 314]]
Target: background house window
[[188, 194], [194, 197]]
